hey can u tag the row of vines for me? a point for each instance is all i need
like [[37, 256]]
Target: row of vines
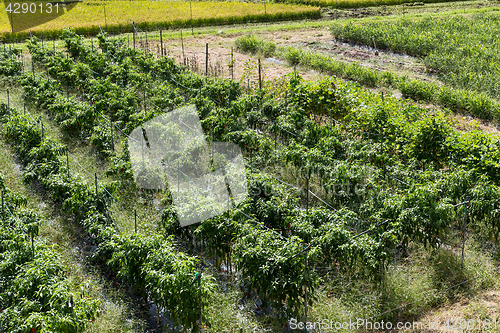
[[387, 173]]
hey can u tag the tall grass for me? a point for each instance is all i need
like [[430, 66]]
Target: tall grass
[[86, 17], [465, 51], [425, 280], [466, 101]]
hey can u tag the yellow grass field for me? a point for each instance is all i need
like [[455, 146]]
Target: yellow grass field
[[356, 3], [116, 16]]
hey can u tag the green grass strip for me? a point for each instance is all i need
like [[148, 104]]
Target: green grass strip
[[458, 100]]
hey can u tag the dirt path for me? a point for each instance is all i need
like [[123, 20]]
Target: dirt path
[[191, 50]]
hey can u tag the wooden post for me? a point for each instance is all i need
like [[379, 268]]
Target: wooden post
[[112, 139], [67, 160], [95, 175], [260, 77], [3, 208], [133, 33], [275, 138], [161, 42], [206, 59], [201, 314], [307, 193], [232, 64], [135, 220], [183, 55], [375, 45], [464, 224], [32, 244], [305, 291]]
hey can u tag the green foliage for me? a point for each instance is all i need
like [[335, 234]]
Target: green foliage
[[10, 62], [255, 45], [459, 48], [376, 159], [34, 290]]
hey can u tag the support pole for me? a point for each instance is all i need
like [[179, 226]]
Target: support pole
[[464, 224], [232, 64], [133, 33], [260, 77], [201, 315], [112, 138], [95, 175], [206, 59], [161, 42], [307, 193], [8, 98], [3, 208], [183, 55], [135, 220], [305, 291]]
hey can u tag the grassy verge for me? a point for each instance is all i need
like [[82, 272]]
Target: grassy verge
[[458, 100]]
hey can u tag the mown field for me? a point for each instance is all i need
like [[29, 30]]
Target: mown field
[[116, 16]]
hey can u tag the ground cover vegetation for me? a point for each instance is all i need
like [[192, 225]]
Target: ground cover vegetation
[[468, 99], [341, 179], [461, 49], [35, 293]]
